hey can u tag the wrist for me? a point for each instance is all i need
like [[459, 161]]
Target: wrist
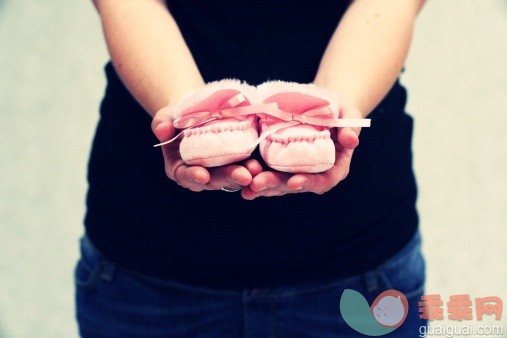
[[345, 96]]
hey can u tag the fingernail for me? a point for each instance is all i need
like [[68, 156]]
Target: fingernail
[[299, 188], [197, 181], [162, 125]]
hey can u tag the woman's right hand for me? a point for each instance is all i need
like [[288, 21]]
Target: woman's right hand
[[194, 178]]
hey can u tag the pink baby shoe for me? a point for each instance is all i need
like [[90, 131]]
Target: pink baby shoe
[[219, 124], [296, 136]]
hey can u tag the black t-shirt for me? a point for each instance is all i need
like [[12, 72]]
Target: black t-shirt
[[145, 222]]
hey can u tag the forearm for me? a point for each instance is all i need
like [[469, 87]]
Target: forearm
[[368, 50], [148, 51]]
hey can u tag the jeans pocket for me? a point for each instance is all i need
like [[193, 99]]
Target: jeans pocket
[[89, 266], [405, 272]]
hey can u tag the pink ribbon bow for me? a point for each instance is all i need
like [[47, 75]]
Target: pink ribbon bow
[[278, 119], [229, 109]]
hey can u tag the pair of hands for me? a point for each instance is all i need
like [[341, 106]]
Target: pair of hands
[[254, 180]]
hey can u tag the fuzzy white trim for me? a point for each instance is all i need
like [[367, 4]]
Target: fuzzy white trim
[[192, 98], [271, 88]]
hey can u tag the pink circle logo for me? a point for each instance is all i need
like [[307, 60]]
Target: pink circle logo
[[390, 308]]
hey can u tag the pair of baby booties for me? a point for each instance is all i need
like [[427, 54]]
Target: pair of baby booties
[[224, 121]]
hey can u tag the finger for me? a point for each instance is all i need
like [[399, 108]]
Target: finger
[[321, 182], [164, 131], [348, 138], [316, 183], [298, 183], [172, 159], [239, 174], [198, 175], [161, 116], [340, 169], [269, 180], [194, 178], [161, 124], [230, 176], [342, 164], [248, 194], [254, 167]]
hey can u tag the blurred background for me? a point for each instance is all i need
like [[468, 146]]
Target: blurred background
[[51, 83]]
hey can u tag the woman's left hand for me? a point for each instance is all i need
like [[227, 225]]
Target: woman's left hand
[[274, 183]]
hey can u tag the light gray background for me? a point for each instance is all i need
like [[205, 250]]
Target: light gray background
[[51, 82]]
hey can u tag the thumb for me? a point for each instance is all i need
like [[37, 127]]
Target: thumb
[[162, 125], [349, 137]]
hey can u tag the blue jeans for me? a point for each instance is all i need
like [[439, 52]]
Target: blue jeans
[[112, 302]]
